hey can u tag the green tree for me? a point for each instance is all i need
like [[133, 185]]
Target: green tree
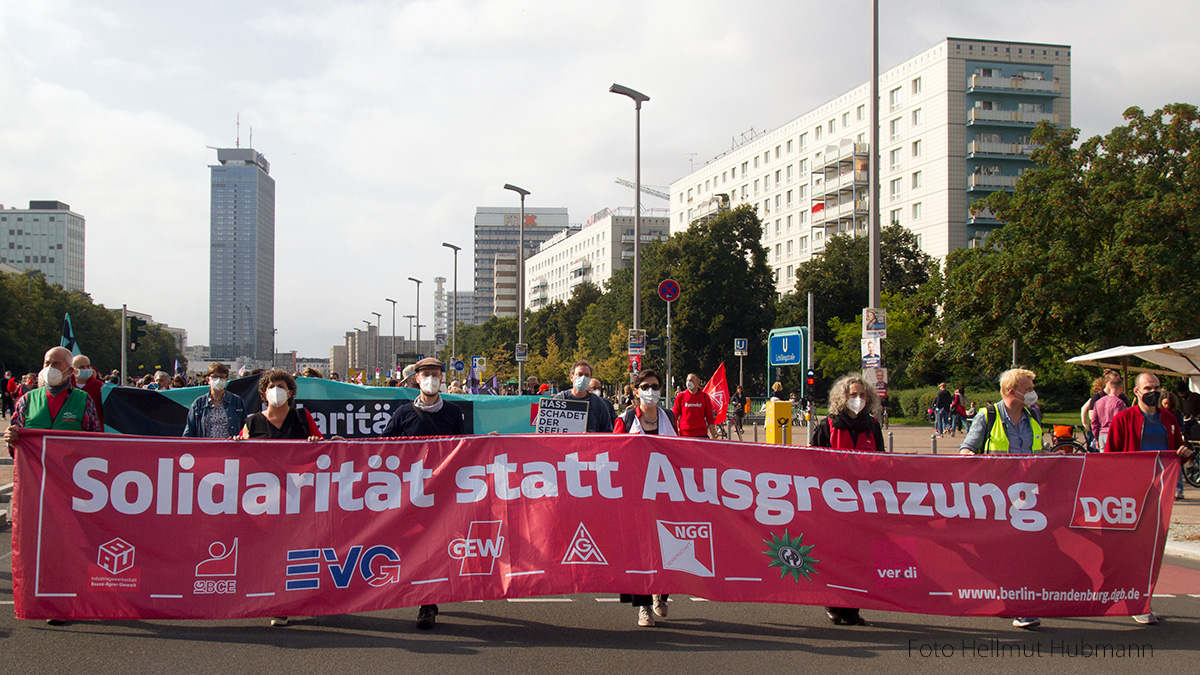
[[1099, 248]]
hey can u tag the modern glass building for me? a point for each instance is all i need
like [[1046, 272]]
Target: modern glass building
[[47, 237], [497, 231], [241, 296]]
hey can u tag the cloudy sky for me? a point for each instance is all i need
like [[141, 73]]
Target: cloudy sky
[[387, 123]]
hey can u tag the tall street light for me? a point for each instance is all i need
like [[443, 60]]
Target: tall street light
[[418, 315], [454, 305], [638, 98], [520, 278], [369, 345], [378, 316], [392, 358], [410, 318]]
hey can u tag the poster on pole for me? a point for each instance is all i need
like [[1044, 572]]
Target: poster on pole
[[870, 353], [874, 323], [637, 342], [561, 416], [878, 377]]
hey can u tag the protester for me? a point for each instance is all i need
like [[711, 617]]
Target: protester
[[1018, 433], [1147, 428], [1111, 401], [455, 387], [531, 386], [162, 380], [7, 388], [941, 409], [216, 414], [647, 417], [86, 380], [694, 410], [428, 415], [776, 391], [958, 411], [1170, 403], [309, 371], [737, 402], [600, 413], [851, 425]]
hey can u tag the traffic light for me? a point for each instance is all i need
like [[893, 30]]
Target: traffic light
[[136, 331], [810, 384]]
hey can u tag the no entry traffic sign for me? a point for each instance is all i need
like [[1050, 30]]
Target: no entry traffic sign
[[668, 290]]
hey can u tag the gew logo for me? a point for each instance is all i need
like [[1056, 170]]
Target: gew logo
[[479, 549], [378, 565]]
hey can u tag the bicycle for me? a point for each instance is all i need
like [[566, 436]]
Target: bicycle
[[1191, 470], [1063, 442]]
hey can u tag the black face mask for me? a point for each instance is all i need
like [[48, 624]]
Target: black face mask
[[1151, 398]]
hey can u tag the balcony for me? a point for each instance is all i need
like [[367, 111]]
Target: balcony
[[1011, 150], [847, 181], [983, 217], [981, 84], [991, 182], [844, 211], [979, 116]]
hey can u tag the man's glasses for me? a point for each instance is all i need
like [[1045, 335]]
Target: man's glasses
[[649, 387]]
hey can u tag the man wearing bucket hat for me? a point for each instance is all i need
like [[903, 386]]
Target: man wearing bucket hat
[[428, 415]]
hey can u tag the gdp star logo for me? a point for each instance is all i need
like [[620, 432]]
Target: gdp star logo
[[687, 547], [479, 549], [790, 556], [378, 565]]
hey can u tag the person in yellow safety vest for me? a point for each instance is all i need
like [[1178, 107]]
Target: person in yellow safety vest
[[56, 404], [1008, 427], [1019, 432]]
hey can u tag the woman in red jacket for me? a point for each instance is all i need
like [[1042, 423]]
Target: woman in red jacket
[[852, 425]]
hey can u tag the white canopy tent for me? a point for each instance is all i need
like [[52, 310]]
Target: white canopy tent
[[1180, 358]]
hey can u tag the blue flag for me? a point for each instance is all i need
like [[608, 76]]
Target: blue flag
[[68, 336]]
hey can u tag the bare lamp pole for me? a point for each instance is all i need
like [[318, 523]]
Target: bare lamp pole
[[410, 318], [377, 331], [873, 290], [520, 278], [638, 98], [418, 314], [392, 358], [369, 346], [454, 305]]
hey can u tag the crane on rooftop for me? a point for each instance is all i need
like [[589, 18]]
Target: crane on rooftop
[[648, 190]]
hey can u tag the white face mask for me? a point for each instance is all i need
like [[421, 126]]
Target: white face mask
[[650, 396], [692, 386], [430, 384], [216, 383], [83, 374], [582, 382], [51, 376], [1030, 398], [277, 396], [856, 405]]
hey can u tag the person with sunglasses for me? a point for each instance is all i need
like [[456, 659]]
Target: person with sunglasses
[[647, 417]]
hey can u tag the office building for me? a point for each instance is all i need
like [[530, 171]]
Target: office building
[[954, 126], [496, 232], [241, 303], [47, 237], [589, 254], [444, 314]]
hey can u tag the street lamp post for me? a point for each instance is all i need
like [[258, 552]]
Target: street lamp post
[[369, 360], [638, 99], [274, 344], [392, 358], [418, 314], [520, 277], [454, 305], [410, 318], [378, 316]]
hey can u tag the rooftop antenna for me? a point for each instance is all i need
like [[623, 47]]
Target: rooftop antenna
[[250, 143], [691, 160], [239, 130]]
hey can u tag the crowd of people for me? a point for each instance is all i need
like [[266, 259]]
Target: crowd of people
[[65, 395]]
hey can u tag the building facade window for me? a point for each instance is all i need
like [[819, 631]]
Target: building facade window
[[894, 99], [897, 187], [894, 217], [916, 179], [916, 86], [895, 128], [916, 148], [916, 211], [917, 118]]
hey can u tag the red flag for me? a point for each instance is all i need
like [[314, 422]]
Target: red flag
[[818, 207], [718, 390]]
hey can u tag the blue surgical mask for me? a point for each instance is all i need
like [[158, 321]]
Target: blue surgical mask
[[582, 382]]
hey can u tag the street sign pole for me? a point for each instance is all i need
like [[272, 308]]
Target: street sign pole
[[668, 378], [669, 292]]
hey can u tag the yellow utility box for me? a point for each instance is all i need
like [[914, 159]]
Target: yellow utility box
[[778, 421]]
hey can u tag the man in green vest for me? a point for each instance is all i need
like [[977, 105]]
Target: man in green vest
[[1008, 427], [56, 404]]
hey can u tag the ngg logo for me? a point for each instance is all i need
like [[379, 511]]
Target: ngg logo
[[1112, 510], [479, 549]]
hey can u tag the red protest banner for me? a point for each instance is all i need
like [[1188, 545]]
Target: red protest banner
[[138, 527]]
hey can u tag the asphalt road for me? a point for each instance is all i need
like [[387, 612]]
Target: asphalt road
[[590, 633]]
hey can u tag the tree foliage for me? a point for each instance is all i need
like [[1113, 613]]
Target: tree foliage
[[33, 311], [1099, 248]]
